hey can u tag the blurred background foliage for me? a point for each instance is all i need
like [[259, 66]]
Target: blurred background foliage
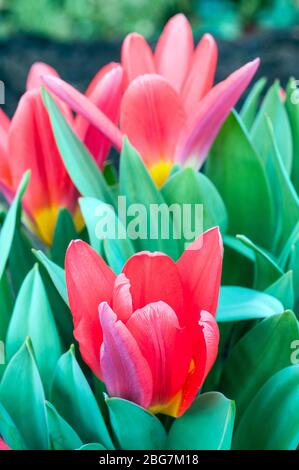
[[112, 19]]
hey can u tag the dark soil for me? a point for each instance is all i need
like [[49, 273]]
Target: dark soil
[[77, 62]]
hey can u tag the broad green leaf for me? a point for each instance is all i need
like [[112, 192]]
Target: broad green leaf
[[21, 259], [250, 107], [9, 225], [235, 169], [193, 188], [288, 247], [142, 197], [271, 418], [238, 263], [292, 107], [32, 316], [286, 197], [107, 233], [89, 208], [134, 427], [207, 425], [73, 399], [272, 108], [264, 350], [22, 395], [79, 163], [240, 303], [266, 269], [62, 436], [9, 431], [235, 244], [6, 305], [283, 290], [65, 231], [294, 265], [55, 272], [117, 252], [91, 446]]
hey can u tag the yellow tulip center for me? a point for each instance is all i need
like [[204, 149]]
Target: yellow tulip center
[[160, 171]]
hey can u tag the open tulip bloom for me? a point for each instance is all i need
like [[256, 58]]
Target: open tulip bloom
[[170, 110], [148, 333]]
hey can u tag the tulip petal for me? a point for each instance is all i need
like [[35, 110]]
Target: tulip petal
[[202, 71], [37, 70], [152, 117], [89, 282], [126, 373], [205, 350], [31, 145], [122, 299], [5, 173], [155, 277], [3, 445], [98, 77], [203, 124], [165, 346], [200, 269], [83, 106], [211, 334], [174, 51], [136, 57], [106, 95]]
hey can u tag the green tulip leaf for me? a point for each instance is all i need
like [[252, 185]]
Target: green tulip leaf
[[55, 272], [250, 107], [235, 168], [266, 269], [22, 395], [9, 225], [283, 290], [62, 436], [65, 231], [141, 196], [273, 108], [240, 303], [74, 401], [271, 419], [262, 352], [190, 187], [134, 427], [9, 431], [293, 114], [32, 316], [207, 425]]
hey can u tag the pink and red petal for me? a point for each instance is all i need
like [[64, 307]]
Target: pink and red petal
[[3, 445], [126, 372], [122, 299], [31, 145], [174, 51], [154, 277], [86, 108], [165, 346], [37, 70], [205, 340], [136, 57], [152, 117], [99, 75], [89, 282], [200, 269], [203, 124], [106, 95], [202, 71]]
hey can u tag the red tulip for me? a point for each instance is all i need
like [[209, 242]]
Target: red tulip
[[28, 143], [150, 332], [3, 445], [170, 111]]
